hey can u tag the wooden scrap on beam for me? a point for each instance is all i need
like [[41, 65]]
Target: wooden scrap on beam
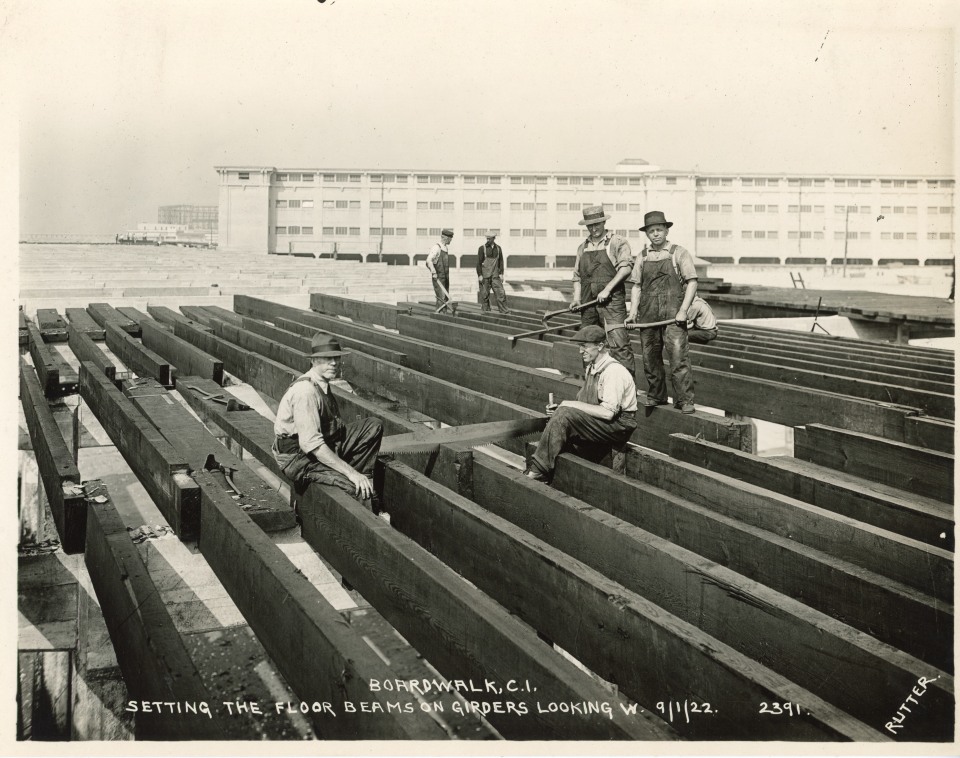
[[137, 357], [159, 467], [134, 314], [648, 653], [52, 327], [104, 312], [886, 609], [58, 469], [907, 467], [847, 668], [919, 518]]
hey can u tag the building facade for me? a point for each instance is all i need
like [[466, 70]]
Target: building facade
[[728, 218]]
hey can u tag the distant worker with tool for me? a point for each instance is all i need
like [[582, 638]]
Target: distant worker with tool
[[490, 268], [312, 443], [438, 261], [603, 264], [664, 286], [603, 415]]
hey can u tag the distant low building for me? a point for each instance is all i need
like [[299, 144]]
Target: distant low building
[[165, 234]]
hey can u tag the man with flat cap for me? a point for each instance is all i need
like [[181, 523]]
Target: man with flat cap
[[602, 417], [438, 261], [312, 443], [603, 264], [490, 268]]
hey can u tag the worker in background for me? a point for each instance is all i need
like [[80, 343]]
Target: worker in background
[[701, 322], [664, 285], [312, 443], [490, 269], [438, 261], [603, 415], [603, 264]]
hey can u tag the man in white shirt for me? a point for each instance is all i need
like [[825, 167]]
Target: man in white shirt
[[312, 444], [439, 264], [603, 415], [701, 322]]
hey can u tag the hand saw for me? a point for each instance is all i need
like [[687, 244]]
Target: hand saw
[[476, 435]]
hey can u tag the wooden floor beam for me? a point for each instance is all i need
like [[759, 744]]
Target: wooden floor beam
[[368, 313], [135, 356], [185, 358], [104, 312], [85, 349], [52, 327]]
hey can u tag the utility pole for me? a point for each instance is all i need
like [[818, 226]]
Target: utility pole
[[534, 215], [846, 235], [380, 249]]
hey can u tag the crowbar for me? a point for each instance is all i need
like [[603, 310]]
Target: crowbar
[[447, 302], [569, 309], [651, 323]]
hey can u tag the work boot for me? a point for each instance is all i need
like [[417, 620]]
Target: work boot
[[687, 408], [652, 402], [536, 475]]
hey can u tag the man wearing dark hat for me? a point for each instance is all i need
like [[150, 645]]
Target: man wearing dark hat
[[312, 444], [604, 262], [490, 269], [438, 261], [602, 416], [664, 286]]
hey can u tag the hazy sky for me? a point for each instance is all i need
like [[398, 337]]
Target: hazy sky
[[129, 105]]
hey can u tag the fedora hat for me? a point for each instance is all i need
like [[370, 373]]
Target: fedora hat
[[654, 217], [592, 333], [324, 345], [593, 214], [447, 233]]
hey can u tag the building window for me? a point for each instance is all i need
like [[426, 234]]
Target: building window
[[355, 204], [746, 208], [434, 231], [374, 231], [340, 230], [840, 183], [838, 235], [561, 180], [574, 206], [620, 207], [898, 209], [514, 232], [448, 206], [528, 232], [793, 182], [447, 179], [864, 235], [468, 233], [634, 207], [911, 210], [793, 208], [482, 206], [817, 235], [776, 208], [421, 231], [354, 231], [759, 235], [541, 233], [771, 235], [516, 180], [911, 182], [422, 178], [608, 181], [791, 235], [402, 178], [293, 230], [541, 206], [884, 235], [713, 208], [494, 206], [243, 175], [401, 231], [436, 205], [494, 180], [342, 204], [911, 235], [759, 209], [588, 180], [327, 230], [818, 209], [516, 206], [633, 233], [746, 235], [563, 233], [306, 230], [726, 208], [281, 203], [307, 203], [898, 235], [746, 182], [562, 207], [576, 180], [281, 177], [329, 177], [946, 236], [422, 205], [376, 178], [805, 208], [946, 210], [884, 209], [280, 230], [375, 205], [469, 180], [773, 182], [932, 210], [486, 180], [806, 235], [701, 207], [839, 208], [293, 204]]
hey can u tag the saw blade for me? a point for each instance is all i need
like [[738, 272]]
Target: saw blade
[[428, 441]]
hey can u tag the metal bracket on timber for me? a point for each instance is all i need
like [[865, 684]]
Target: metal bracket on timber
[[136, 357], [282, 606], [58, 470], [650, 654], [163, 471], [750, 617], [80, 320], [52, 327], [919, 518], [897, 464], [888, 610], [152, 655], [928, 569], [104, 312], [466, 634], [85, 349], [196, 444], [186, 359], [56, 377]]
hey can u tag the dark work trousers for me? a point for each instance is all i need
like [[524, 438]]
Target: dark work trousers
[[573, 427], [701, 336], [596, 272], [494, 283], [445, 281], [358, 446], [661, 294]]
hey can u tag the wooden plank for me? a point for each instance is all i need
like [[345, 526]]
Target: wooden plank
[[138, 358], [846, 668], [195, 443], [168, 316], [184, 357], [907, 467], [47, 370], [933, 433], [918, 518], [890, 611], [197, 313], [80, 320], [306, 331], [104, 312], [650, 654], [155, 663], [289, 615], [158, 466], [58, 469], [370, 313], [466, 635], [222, 313], [85, 349], [134, 314], [903, 559], [52, 327]]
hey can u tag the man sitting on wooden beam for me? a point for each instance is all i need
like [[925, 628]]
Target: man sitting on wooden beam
[[312, 444], [602, 417]]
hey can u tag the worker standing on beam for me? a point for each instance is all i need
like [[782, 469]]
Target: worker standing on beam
[[312, 444], [438, 261], [490, 269], [603, 264], [603, 415], [664, 286]]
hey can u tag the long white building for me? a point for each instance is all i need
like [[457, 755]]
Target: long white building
[[725, 218]]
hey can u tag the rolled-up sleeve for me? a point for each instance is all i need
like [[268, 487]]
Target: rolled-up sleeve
[[576, 263], [622, 254], [432, 258], [685, 263], [306, 417]]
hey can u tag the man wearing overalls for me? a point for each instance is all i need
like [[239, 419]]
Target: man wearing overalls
[[603, 263], [602, 417], [490, 274], [312, 444], [664, 285], [438, 261]]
